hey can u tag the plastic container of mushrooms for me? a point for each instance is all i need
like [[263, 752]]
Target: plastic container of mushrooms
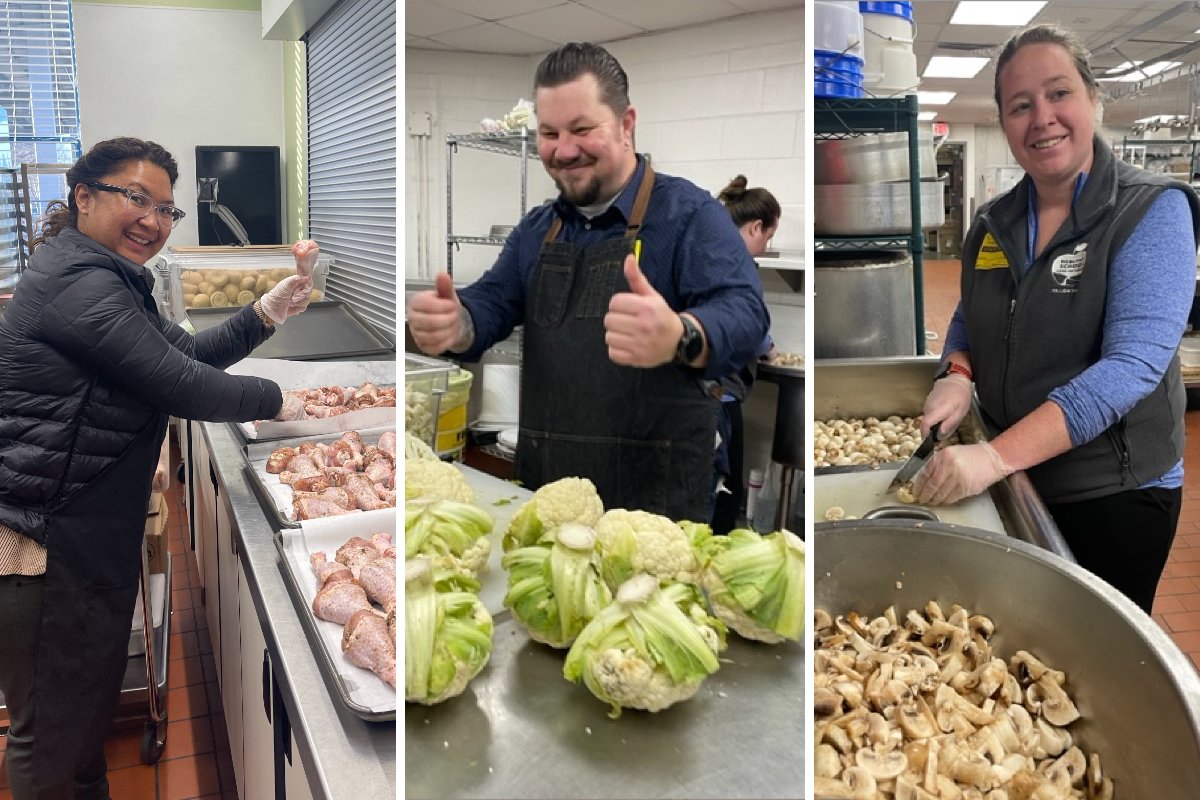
[[223, 280], [1067, 647]]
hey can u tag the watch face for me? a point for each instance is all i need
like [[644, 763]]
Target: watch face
[[690, 344]]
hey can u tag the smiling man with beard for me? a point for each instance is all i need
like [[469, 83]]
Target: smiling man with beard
[[635, 291]]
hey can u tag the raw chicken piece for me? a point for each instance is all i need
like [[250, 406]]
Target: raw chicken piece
[[387, 443], [277, 461], [328, 571], [315, 508], [356, 552], [324, 412], [312, 483], [383, 543], [378, 577], [306, 252], [363, 491], [338, 601], [354, 440], [391, 625], [388, 496], [343, 455], [381, 471], [334, 494], [365, 642]]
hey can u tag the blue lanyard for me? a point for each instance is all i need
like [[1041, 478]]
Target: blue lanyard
[[1032, 220]]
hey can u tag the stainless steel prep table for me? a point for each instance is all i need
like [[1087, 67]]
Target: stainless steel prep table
[[522, 730], [346, 758]]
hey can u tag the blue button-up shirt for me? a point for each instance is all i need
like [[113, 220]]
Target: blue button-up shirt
[[691, 253]]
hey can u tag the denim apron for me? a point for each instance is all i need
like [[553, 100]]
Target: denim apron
[[644, 437]]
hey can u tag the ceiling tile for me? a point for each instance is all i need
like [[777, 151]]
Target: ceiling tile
[[427, 19], [572, 23], [492, 10], [766, 5], [657, 16], [490, 37], [421, 43]]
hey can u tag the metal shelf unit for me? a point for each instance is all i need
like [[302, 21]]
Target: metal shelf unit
[[838, 118], [521, 144], [1139, 152]]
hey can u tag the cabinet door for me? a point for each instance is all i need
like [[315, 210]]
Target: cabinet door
[[258, 744], [228, 660], [295, 779], [206, 543]]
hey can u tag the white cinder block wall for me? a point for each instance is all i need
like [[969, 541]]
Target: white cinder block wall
[[223, 85], [713, 101]]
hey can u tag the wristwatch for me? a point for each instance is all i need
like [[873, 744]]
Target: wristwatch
[[691, 343], [950, 367]]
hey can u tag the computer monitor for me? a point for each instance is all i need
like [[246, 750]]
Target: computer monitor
[[247, 185]]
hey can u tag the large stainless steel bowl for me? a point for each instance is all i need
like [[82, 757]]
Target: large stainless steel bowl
[[872, 158], [1139, 695]]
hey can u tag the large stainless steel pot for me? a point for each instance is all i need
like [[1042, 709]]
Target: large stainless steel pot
[[864, 305], [872, 158], [870, 209], [1139, 695]]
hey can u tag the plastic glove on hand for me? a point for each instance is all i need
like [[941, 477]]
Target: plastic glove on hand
[[306, 252], [288, 298], [959, 471], [292, 409], [948, 403]]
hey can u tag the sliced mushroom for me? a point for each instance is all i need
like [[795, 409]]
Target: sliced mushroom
[[972, 769], [826, 702], [862, 783], [826, 763], [1098, 786], [1028, 668], [882, 766], [821, 619], [916, 720], [832, 789], [1068, 769], [1057, 707], [1051, 740]]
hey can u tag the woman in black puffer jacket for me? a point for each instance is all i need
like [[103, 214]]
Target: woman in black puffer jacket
[[89, 372]]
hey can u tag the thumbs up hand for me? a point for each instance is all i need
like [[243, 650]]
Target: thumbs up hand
[[640, 329], [436, 318]]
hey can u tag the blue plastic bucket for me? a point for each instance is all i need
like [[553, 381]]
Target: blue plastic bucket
[[896, 8], [837, 75]]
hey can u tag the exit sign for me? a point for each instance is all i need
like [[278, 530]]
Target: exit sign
[[941, 129]]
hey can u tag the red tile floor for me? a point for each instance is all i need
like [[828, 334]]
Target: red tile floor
[[196, 761], [1177, 604]]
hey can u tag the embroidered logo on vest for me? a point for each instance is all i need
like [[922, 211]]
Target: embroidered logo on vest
[[1066, 269], [990, 255]]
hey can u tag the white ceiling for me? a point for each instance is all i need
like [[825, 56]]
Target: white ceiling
[[1107, 29], [528, 27]]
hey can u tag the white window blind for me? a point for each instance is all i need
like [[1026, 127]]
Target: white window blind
[[352, 154], [39, 114]]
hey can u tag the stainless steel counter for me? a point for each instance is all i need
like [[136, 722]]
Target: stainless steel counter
[[522, 730], [345, 757]]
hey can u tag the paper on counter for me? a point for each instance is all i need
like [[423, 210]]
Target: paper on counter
[[362, 686]]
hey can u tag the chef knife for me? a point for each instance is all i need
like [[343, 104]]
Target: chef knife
[[916, 460]]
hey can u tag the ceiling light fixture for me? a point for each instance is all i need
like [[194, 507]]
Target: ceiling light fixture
[[1142, 72], [1005, 14], [925, 116], [954, 66], [935, 98]]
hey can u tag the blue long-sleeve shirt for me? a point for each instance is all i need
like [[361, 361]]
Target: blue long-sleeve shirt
[[691, 253], [1151, 283]]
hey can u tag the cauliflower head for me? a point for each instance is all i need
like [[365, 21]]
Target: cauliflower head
[[416, 449], [452, 535], [649, 649], [447, 637], [435, 480], [552, 506], [738, 620], [755, 584], [633, 542]]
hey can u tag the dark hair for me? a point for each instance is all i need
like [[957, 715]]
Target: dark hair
[[103, 159], [571, 61], [1047, 34], [747, 205]]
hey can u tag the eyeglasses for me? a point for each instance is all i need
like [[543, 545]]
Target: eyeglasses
[[140, 204]]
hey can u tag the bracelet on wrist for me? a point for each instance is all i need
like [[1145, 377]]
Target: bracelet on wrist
[[952, 368], [262, 315]]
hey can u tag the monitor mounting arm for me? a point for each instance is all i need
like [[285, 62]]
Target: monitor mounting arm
[[207, 193]]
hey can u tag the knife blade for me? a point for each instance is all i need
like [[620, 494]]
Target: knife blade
[[916, 460]]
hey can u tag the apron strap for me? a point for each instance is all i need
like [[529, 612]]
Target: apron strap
[[640, 202]]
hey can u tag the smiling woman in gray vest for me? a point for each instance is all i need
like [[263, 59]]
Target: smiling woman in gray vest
[[1076, 286]]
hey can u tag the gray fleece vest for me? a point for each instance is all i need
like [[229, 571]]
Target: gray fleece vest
[[1032, 336]]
